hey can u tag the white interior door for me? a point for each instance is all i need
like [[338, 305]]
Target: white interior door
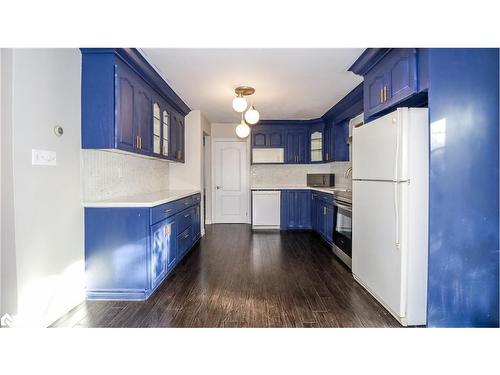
[[231, 182], [376, 260]]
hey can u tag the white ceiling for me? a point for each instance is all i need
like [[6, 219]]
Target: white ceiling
[[289, 83]]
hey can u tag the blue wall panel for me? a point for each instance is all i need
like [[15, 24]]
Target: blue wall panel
[[464, 193]]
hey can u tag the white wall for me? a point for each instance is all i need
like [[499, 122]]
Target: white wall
[[190, 174], [42, 216]]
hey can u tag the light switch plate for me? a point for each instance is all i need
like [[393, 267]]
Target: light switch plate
[[43, 157]]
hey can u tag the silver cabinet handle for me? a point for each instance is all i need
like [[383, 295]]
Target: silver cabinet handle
[[186, 215], [168, 210]]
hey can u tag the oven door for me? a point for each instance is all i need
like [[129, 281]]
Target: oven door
[[342, 233]]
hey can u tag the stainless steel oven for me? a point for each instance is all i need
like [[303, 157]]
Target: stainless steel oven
[[342, 233]]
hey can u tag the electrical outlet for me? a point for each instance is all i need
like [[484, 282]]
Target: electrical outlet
[[43, 157]]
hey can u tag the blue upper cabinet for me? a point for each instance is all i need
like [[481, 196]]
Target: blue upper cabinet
[[374, 86], [391, 76], [126, 105], [267, 137], [320, 140], [341, 139], [296, 146], [316, 143], [143, 118], [401, 70], [328, 143], [126, 89], [177, 138]]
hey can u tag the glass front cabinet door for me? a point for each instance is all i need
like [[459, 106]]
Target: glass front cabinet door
[[156, 129], [316, 146], [165, 134]]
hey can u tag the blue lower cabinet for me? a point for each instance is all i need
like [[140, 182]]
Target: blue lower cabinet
[[184, 240], [323, 215], [295, 209], [163, 250], [129, 252]]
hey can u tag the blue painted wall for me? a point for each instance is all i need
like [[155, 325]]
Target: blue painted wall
[[464, 193]]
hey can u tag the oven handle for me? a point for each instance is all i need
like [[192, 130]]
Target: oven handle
[[348, 208]]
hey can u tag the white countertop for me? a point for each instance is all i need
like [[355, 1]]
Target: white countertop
[[143, 200], [324, 190]]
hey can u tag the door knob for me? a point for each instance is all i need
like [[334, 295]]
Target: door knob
[[218, 187]]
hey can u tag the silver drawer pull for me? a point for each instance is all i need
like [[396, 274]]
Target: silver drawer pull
[[168, 210], [186, 215]]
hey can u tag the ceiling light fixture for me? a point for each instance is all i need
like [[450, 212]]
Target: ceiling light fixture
[[240, 104]]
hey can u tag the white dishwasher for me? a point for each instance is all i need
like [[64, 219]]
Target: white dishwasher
[[266, 206]]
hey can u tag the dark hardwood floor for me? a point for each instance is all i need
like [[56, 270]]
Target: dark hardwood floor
[[238, 278]]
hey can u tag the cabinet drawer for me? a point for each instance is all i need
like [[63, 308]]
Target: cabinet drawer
[[185, 202], [163, 211], [184, 220], [184, 241], [323, 197], [196, 199]]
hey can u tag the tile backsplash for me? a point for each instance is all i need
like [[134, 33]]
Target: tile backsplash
[[296, 174], [107, 174]]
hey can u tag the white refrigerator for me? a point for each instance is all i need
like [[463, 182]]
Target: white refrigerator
[[390, 177]]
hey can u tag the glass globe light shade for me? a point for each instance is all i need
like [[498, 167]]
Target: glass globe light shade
[[242, 130], [252, 116], [239, 104]]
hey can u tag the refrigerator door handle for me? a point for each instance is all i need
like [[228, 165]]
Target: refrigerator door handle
[[396, 214], [396, 156]]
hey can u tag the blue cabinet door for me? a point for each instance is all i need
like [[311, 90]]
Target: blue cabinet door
[[296, 148], [340, 141], [177, 135], [163, 250], [296, 209], [329, 223], [259, 139], [321, 221], [290, 151], [328, 143], [401, 75], [144, 118], [126, 90], [267, 136], [275, 138], [314, 211], [373, 90]]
